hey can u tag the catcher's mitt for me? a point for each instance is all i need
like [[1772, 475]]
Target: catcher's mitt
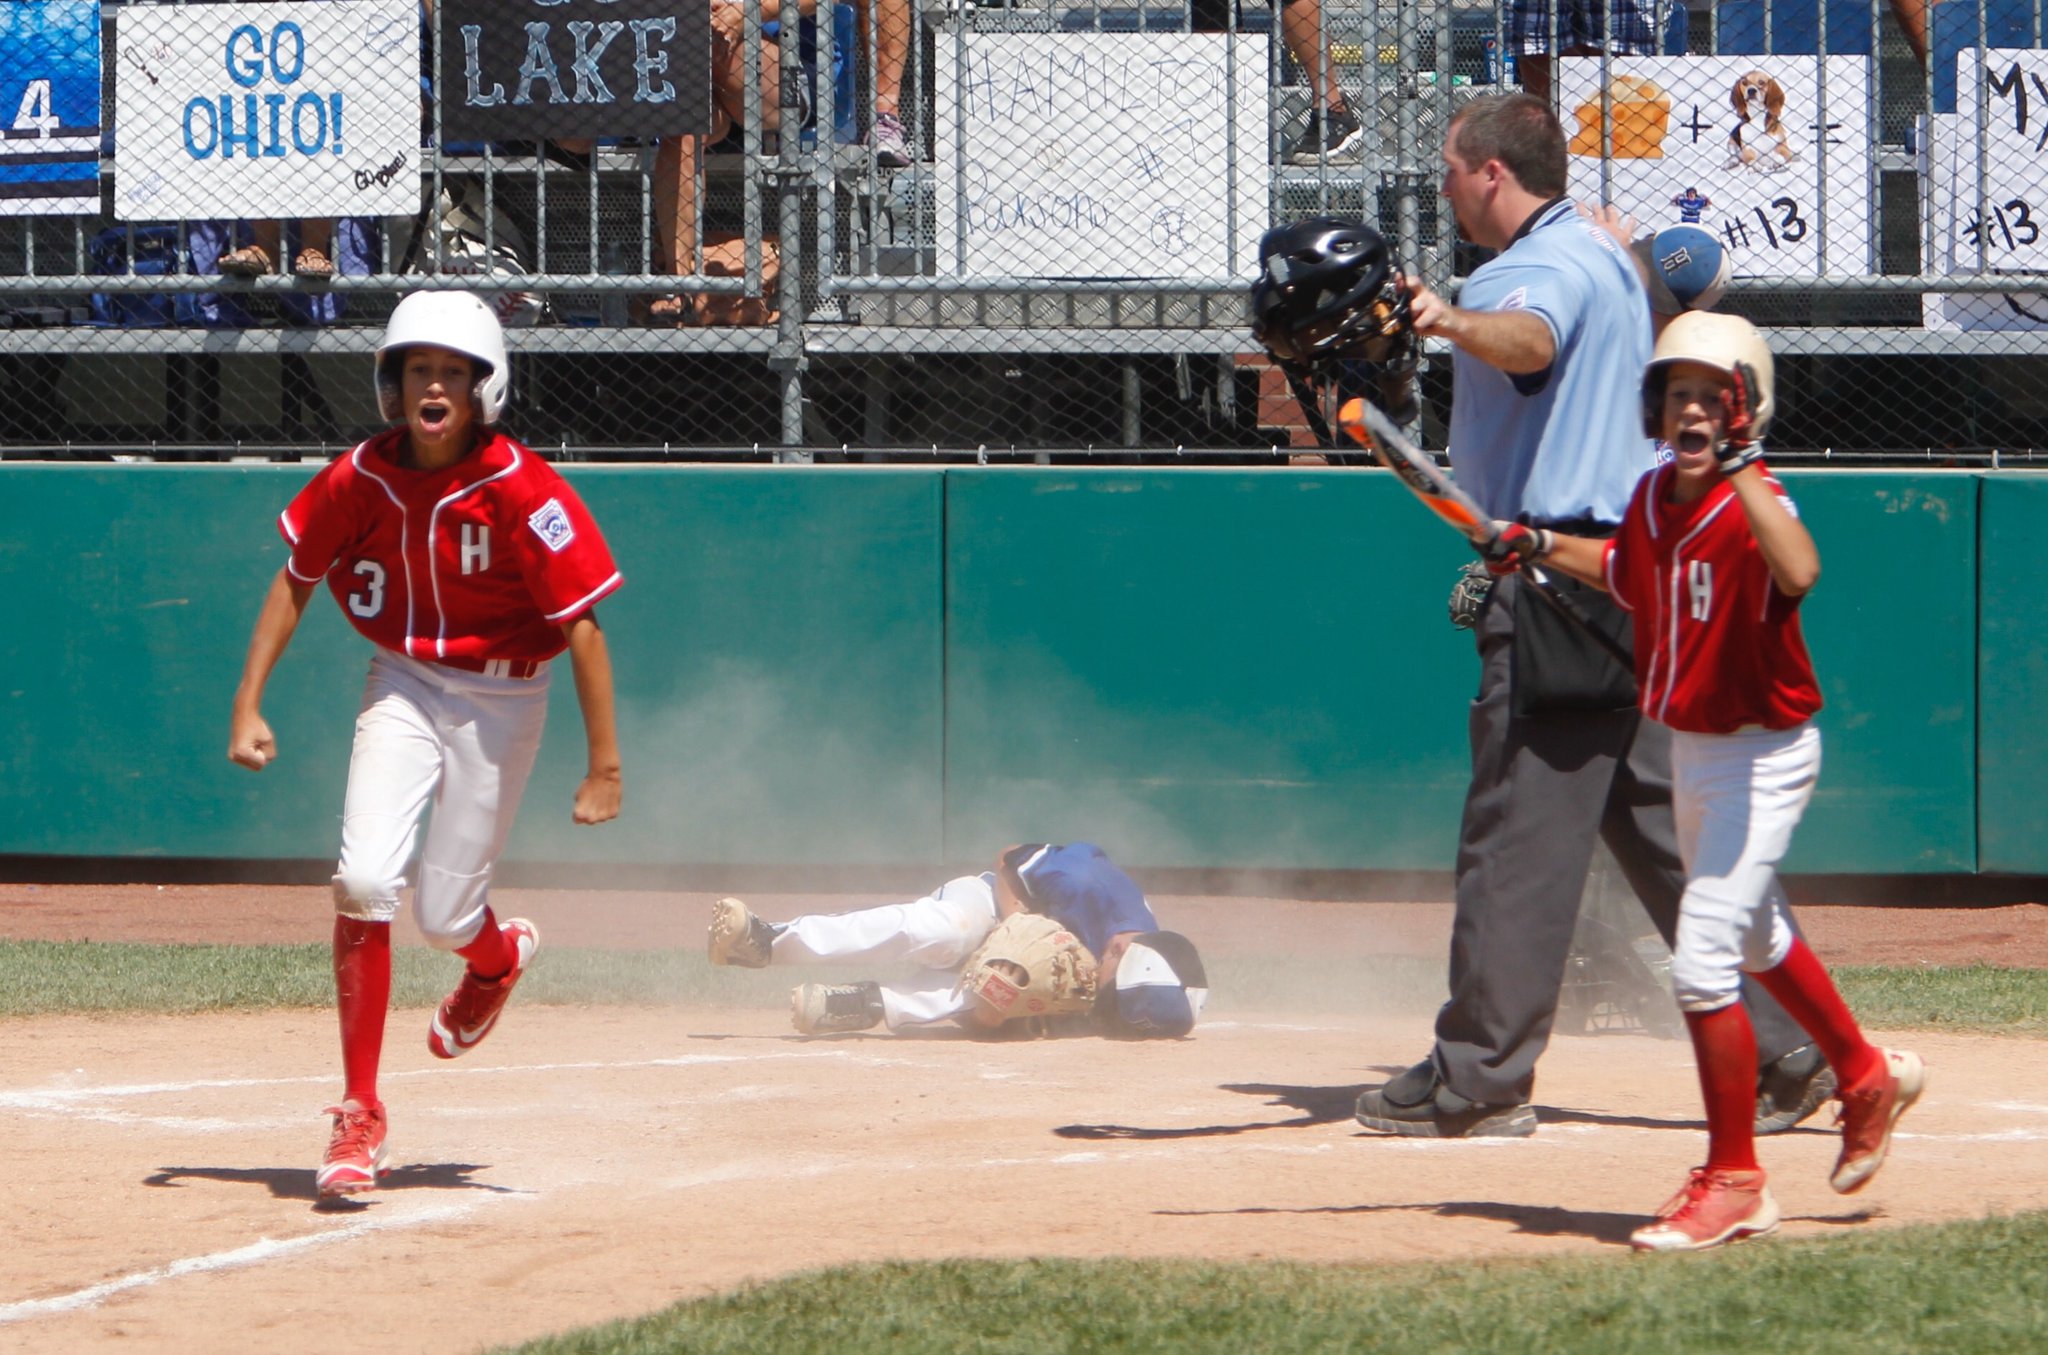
[[1468, 594], [1030, 966]]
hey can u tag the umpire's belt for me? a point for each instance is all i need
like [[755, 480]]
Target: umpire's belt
[[1592, 527], [502, 668]]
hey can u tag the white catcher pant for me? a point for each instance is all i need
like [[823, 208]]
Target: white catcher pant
[[1737, 798], [937, 933], [463, 740]]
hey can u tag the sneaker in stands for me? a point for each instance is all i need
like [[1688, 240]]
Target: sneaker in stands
[[1332, 134], [891, 146]]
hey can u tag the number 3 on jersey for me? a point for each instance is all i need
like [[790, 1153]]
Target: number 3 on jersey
[[370, 601], [1699, 584]]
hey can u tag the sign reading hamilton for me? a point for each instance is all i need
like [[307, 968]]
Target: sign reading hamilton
[[528, 69]]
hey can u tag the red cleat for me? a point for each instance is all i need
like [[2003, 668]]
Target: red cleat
[[355, 1150], [1714, 1207], [1867, 1116], [468, 1013]]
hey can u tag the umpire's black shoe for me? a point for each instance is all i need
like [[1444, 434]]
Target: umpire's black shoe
[[1417, 1105], [1792, 1087]]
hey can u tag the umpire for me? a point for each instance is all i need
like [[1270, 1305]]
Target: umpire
[[1549, 341]]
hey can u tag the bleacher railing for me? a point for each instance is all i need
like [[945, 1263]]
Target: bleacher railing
[[991, 231]]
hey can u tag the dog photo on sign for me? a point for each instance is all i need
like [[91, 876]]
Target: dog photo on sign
[[1759, 140]]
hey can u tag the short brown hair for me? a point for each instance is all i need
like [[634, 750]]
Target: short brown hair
[[1521, 132]]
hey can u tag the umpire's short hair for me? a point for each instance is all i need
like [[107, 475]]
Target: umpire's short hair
[[1521, 132]]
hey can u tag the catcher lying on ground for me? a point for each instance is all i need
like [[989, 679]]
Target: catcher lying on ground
[[1052, 932]]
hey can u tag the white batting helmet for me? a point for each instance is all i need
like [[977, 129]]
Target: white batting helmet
[[1723, 342], [460, 322]]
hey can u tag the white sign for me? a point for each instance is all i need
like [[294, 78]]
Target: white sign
[[1989, 212], [1100, 155], [267, 110], [1741, 145]]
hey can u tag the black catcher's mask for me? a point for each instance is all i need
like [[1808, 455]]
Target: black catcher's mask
[[1328, 290]]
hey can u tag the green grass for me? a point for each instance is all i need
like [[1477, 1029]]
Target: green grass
[[1967, 997], [42, 977], [1977, 1286]]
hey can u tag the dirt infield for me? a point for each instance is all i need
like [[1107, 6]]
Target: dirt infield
[[598, 1162]]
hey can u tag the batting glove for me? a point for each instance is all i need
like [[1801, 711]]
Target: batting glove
[[1512, 545], [1740, 447]]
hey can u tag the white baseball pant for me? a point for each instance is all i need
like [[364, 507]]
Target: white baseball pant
[[463, 740], [937, 932], [1736, 798]]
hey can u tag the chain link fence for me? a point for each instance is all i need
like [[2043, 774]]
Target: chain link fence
[[929, 228]]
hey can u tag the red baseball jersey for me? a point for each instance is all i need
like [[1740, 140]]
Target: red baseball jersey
[[484, 560], [1717, 644]]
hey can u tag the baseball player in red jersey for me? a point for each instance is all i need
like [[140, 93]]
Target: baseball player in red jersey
[[1713, 561], [469, 563]]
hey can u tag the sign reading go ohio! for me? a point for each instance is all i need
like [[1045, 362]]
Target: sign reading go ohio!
[[267, 110], [519, 70]]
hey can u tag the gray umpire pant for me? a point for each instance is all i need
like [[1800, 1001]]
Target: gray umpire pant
[[1542, 787]]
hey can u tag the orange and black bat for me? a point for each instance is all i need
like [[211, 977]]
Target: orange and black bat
[[1368, 424]]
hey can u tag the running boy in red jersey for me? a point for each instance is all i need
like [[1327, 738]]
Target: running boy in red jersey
[[469, 563], [1713, 562]]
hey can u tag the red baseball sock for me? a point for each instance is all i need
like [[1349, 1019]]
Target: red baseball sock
[[1724, 1047], [1803, 988], [491, 955], [362, 992]]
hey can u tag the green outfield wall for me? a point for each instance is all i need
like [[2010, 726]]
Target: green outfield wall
[[2012, 668], [913, 665]]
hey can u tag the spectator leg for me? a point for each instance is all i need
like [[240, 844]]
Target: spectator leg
[[677, 170], [302, 398], [1301, 23], [890, 20], [1534, 70], [1912, 16], [729, 71], [269, 237], [192, 402]]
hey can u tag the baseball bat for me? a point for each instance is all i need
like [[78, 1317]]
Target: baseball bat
[[1432, 484]]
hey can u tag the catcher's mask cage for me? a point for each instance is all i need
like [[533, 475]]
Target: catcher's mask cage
[[1331, 307], [1617, 978]]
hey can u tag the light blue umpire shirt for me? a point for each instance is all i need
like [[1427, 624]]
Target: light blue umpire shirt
[[1564, 444]]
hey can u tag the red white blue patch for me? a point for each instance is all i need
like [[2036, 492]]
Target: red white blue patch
[[551, 525]]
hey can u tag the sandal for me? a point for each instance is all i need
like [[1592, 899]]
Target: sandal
[[250, 261], [313, 265]]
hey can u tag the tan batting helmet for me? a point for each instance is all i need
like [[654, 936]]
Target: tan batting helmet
[[1723, 342]]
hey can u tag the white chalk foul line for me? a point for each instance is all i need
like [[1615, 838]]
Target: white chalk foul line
[[256, 1253], [64, 1098]]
